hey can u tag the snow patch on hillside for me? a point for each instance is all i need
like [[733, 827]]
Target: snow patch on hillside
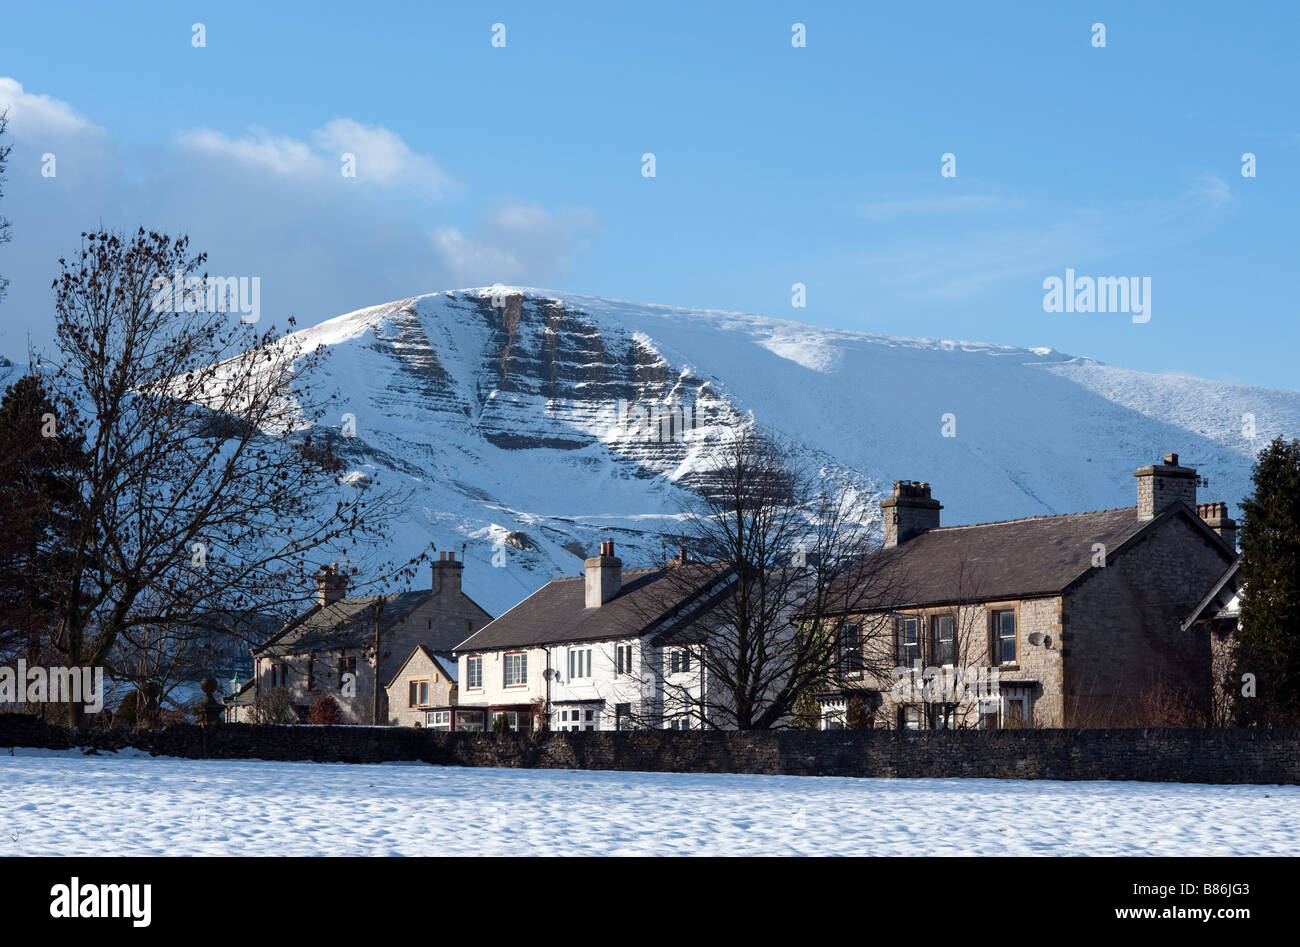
[[497, 407]]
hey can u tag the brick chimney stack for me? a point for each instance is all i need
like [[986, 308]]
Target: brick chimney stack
[[1216, 517], [909, 512], [1160, 486], [604, 575], [330, 585], [446, 574]]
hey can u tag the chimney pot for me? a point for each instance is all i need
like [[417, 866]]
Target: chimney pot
[[330, 584], [1161, 486], [1216, 517], [446, 573], [604, 578], [909, 512]]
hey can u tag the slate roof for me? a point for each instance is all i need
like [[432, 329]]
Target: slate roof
[[347, 623], [1012, 559], [557, 613]]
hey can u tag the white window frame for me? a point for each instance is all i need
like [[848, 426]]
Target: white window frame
[[437, 719], [999, 638], [904, 645], [951, 621], [512, 718], [851, 669], [579, 664], [516, 662], [474, 672]]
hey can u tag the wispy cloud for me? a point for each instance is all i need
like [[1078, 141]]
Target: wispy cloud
[[370, 154], [886, 209], [1005, 239]]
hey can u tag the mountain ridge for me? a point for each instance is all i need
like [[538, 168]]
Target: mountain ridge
[[500, 408]]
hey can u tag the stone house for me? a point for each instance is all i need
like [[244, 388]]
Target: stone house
[[1048, 621], [423, 690], [331, 648], [607, 650]]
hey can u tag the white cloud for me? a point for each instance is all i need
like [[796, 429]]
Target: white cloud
[[267, 205], [514, 243], [35, 118], [282, 156], [382, 156]]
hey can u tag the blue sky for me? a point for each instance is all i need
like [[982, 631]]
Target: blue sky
[[774, 164]]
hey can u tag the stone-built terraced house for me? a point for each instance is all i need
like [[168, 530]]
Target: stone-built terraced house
[[330, 649], [1083, 616]]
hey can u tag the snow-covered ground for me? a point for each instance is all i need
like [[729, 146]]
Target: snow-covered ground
[[62, 802]]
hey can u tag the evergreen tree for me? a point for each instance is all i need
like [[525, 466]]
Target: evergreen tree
[[857, 716], [1268, 643], [39, 510], [807, 714]]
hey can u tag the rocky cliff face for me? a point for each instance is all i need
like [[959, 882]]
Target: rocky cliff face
[[528, 429]]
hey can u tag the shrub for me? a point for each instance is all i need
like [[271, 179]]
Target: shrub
[[501, 724], [325, 710], [274, 707], [125, 716]]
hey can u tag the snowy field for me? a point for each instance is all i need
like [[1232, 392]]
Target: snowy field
[[65, 803]]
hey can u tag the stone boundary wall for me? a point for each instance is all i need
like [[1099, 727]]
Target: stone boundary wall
[[1269, 756]]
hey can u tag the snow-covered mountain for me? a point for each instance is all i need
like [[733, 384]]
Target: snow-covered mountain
[[512, 414]]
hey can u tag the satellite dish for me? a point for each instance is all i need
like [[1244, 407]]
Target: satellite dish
[[1036, 638]]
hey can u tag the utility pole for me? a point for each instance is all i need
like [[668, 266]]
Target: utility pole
[[379, 611]]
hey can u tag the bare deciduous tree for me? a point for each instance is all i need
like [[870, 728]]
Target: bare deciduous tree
[[784, 539], [5, 227], [206, 489]]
